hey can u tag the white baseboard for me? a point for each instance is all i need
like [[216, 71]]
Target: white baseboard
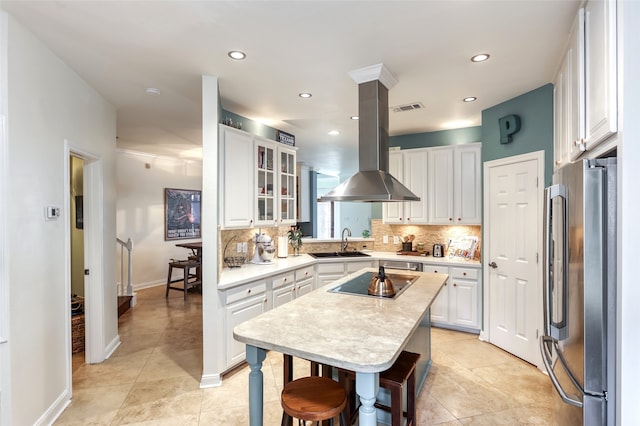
[[111, 347], [211, 381], [55, 410], [149, 284]]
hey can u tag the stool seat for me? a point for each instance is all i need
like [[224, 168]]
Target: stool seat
[[189, 279], [314, 398]]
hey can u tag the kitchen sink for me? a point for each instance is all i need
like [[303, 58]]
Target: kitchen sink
[[339, 254]]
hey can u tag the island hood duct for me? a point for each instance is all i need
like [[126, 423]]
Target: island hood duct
[[372, 183]]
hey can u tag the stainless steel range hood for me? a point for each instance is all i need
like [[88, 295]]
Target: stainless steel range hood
[[372, 183]]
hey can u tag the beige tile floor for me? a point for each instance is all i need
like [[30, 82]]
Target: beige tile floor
[[153, 378]]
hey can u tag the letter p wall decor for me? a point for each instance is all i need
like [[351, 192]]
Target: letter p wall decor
[[509, 125]]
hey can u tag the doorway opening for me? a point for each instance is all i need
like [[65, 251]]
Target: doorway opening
[[76, 238]]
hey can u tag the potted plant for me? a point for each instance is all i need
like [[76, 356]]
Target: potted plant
[[295, 239]]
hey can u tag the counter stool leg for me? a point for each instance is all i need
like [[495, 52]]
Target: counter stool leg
[[411, 399], [168, 281]]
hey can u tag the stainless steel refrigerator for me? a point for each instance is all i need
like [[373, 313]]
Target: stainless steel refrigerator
[[579, 345]]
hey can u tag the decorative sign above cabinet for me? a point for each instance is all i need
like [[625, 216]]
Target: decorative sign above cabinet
[[285, 138]]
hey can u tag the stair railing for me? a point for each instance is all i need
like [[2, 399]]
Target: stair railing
[[128, 245]]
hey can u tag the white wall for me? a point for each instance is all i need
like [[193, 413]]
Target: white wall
[[48, 104], [140, 210], [629, 173]]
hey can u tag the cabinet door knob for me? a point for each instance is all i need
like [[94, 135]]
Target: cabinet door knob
[[249, 291], [459, 219], [494, 265], [464, 273], [450, 219], [454, 284]]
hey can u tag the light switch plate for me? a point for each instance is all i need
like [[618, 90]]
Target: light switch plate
[[385, 239], [396, 240]]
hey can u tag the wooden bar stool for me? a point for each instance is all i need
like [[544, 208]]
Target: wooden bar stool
[[314, 398], [393, 379], [316, 368], [189, 278]]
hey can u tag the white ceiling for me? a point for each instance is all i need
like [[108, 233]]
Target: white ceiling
[[122, 47]]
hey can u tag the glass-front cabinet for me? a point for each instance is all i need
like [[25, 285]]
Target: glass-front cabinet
[[266, 203], [287, 186], [275, 184]]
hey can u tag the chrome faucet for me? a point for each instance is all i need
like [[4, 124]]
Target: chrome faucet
[[344, 239]]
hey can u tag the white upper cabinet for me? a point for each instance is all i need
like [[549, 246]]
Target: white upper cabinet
[[275, 183], [257, 181], [410, 168], [585, 103], [441, 185], [573, 141], [467, 166], [601, 114], [560, 119], [454, 184], [394, 212], [236, 178]]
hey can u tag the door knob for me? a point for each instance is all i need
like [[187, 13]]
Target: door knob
[[493, 265]]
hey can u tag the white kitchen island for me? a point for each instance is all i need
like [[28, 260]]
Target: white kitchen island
[[359, 333]]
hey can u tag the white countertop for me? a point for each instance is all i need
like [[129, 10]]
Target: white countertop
[[364, 334], [231, 277]]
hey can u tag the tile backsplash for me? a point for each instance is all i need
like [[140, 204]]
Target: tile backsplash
[[425, 234]]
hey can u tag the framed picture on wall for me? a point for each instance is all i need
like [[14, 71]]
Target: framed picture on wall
[[181, 214]]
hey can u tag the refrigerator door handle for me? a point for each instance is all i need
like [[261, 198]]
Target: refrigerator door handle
[[553, 273], [546, 358]]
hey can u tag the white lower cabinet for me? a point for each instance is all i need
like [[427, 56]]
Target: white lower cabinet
[[249, 300], [305, 281], [458, 304], [330, 272], [284, 287], [440, 306], [242, 304]]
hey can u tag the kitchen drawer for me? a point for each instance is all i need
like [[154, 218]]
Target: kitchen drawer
[[356, 266], [331, 268], [284, 279], [434, 269], [304, 273], [247, 290], [465, 273]]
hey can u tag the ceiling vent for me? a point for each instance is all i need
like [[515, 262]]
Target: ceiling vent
[[407, 107]]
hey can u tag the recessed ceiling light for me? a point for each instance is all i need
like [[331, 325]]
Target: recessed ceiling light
[[237, 55], [152, 91], [469, 99], [305, 95], [334, 133], [355, 117], [480, 57]]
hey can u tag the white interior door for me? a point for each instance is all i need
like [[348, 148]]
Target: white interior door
[[513, 229]]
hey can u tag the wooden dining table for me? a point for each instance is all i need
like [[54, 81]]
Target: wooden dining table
[[196, 250]]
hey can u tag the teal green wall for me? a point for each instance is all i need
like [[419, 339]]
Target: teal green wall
[[439, 138], [535, 109]]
